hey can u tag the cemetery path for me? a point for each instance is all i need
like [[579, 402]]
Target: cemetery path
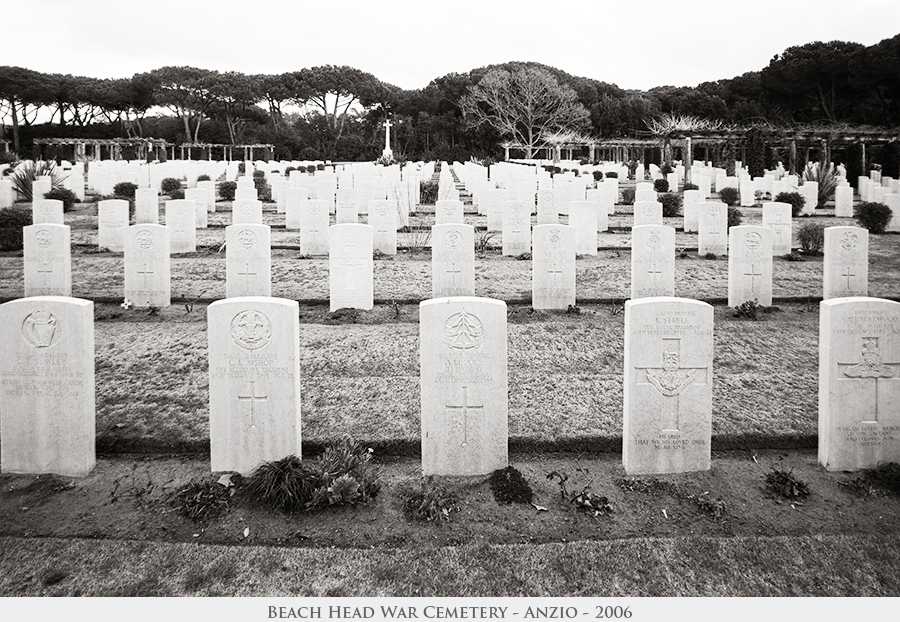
[[130, 498]]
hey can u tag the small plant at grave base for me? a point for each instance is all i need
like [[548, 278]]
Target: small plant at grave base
[[287, 484], [378, 254], [714, 507], [758, 196], [734, 217], [682, 253], [65, 195], [795, 199], [125, 190], [628, 196], [320, 167], [598, 175], [170, 185], [748, 309], [886, 476], [585, 500], [793, 256], [711, 256], [615, 309], [784, 484], [203, 178], [812, 238], [152, 310], [574, 310], [510, 486], [126, 304], [873, 216], [661, 185], [671, 204], [431, 502], [12, 219], [730, 196], [612, 175], [227, 190], [524, 256], [202, 500], [691, 187], [484, 242]]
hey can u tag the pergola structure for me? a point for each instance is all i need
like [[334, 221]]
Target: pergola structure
[[206, 151], [84, 149]]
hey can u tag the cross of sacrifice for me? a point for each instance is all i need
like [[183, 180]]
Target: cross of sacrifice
[[252, 398], [465, 407]]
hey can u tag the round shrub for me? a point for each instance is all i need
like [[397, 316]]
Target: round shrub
[[65, 195], [178, 194], [598, 175], [796, 200], [873, 216], [612, 174], [628, 196], [691, 187], [126, 190], [671, 203], [288, 170], [203, 178], [812, 238], [730, 196], [227, 190], [661, 185], [734, 217], [12, 219], [259, 175], [302, 169], [428, 192], [320, 167], [170, 185]]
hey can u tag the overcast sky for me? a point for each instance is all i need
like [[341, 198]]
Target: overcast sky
[[635, 44]]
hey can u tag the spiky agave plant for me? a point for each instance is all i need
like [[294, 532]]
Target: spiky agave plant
[[28, 171], [826, 176]]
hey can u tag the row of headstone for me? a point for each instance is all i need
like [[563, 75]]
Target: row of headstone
[[48, 413]]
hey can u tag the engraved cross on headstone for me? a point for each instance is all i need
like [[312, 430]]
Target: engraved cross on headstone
[[253, 398], [753, 274], [655, 270], [247, 274], [555, 271], [872, 370], [45, 271], [465, 408], [672, 379], [848, 272], [454, 270], [145, 272]]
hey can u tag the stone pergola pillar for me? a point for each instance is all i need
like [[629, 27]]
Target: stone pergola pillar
[[688, 160]]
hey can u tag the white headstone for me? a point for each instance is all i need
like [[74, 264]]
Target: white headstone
[[48, 407], [845, 269], [547, 213], [583, 218], [245, 194], [648, 213], [112, 221], [692, 200], [652, 261], [182, 224], [40, 187], [463, 377], [859, 383], [313, 225], [667, 421], [553, 265], [452, 260], [48, 211], [810, 192], [48, 260], [7, 194], [148, 266], [246, 212], [516, 228], [248, 260], [777, 217], [199, 196], [843, 202], [383, 220], [254, 382], [146, 206], [750, 265], [448, 212], [713, 229], [893, 201], [350, 269], [210, 187]]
